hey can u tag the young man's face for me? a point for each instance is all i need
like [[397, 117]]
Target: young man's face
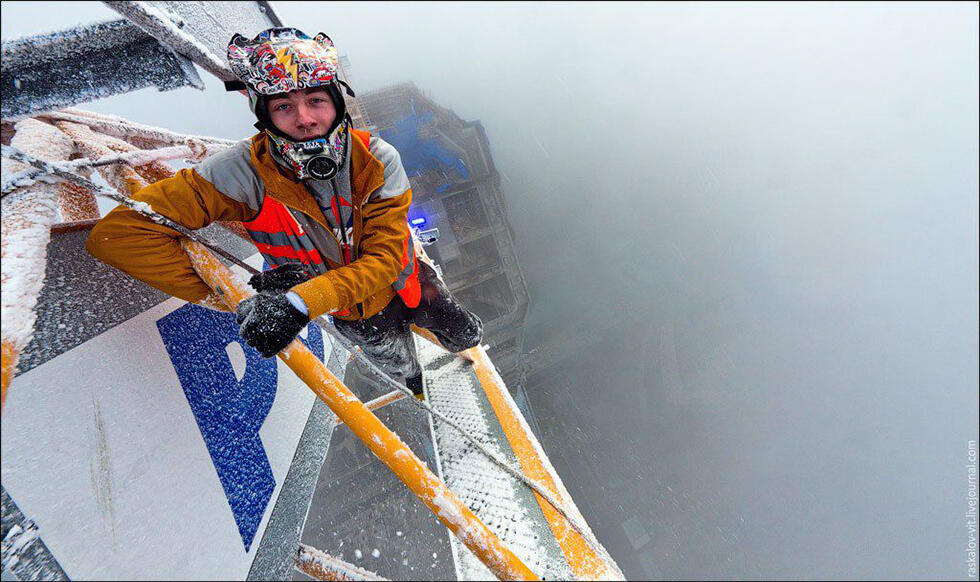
[[304, 114]]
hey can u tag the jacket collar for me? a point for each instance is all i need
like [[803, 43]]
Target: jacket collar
[[367, 175], [367, 172]]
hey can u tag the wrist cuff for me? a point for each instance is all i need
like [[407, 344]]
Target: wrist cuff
[[318, 295], [298, 303]]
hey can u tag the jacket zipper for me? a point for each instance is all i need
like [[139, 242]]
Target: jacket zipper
[[340, 247]]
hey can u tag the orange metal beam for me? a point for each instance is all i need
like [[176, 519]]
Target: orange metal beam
[[8, 359], [25, 235], [380, 439], [76, 203], [431, 337], [385, 400], [322, 566], [585, 562]]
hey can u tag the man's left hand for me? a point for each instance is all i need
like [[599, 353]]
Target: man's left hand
[[280, 279], [269, 322]]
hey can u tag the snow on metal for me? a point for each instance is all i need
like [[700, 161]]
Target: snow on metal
[[190, 153], [163, 25], [27, 220], [323, 566], [385, 444], [136, 133], [86, 63], [504, 504], [587, 557], [199, 30], [24, 553], [131, 181]]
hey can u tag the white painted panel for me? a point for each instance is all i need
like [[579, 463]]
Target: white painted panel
[[102, 449]]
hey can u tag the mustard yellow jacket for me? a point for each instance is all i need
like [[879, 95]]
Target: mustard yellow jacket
[[380, 198]]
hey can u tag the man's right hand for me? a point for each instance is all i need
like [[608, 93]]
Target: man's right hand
[[280, 279], [269, 321]]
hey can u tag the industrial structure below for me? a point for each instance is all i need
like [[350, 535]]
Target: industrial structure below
[[456, 188]]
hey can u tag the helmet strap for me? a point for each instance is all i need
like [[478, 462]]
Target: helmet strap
[[346, 87], [338, 104]]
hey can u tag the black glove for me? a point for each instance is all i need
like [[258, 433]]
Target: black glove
[[268, 322], [280, 279]]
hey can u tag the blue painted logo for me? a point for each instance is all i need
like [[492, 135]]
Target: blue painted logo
[[229, 412]]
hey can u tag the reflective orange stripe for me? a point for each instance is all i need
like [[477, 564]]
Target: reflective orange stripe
[[276, 225], [408, 287]]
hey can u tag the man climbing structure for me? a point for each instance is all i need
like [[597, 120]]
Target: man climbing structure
[[325, 204]]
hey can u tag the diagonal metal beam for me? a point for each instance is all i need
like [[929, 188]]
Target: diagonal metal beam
[[82, 64]]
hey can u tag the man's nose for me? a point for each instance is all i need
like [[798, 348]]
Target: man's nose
[[304, 116]]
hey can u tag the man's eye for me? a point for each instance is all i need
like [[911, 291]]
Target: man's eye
[[317, 100], [282, 107]]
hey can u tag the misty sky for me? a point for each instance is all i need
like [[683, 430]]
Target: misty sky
[[767, 214]]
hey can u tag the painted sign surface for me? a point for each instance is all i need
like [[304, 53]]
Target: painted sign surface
[[156, 449]]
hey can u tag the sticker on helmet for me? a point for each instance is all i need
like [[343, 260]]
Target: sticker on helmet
[[280, 60]]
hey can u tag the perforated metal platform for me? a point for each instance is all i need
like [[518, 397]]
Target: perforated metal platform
[[503, 503]]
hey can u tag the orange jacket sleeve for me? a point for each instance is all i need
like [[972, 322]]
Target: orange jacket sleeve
[[377, 265], [151, 252]]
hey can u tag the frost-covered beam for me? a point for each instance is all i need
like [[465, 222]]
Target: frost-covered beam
[[163, 25], [86, 63], [146, 135], [97, 145], [121, 177], [143, 167], [19, 156], [77, 203], [27, 217], [194, 151], [199, 30], [587, 558], [323, 566]]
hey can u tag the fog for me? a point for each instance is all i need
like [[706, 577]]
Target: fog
[[763, 220]]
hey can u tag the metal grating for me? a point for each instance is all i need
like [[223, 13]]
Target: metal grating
[[504, 504]]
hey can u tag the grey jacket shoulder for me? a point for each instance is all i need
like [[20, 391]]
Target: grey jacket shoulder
[[231, 173], [396, 180]]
